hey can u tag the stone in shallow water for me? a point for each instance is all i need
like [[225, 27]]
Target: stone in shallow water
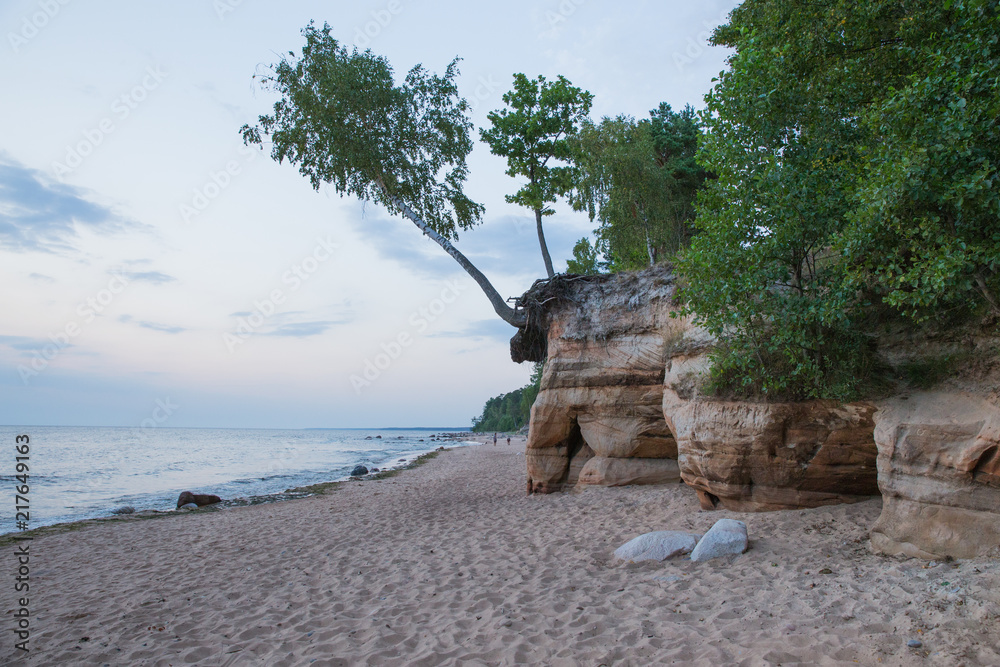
[[659, 545], [727, 537], [189, 506], [359, 470], [199, 499]]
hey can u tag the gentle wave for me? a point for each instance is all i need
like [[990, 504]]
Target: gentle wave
[[87, 472]]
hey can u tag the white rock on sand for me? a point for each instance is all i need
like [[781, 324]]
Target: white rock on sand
[[451, 563], [727, 537], [658, 545]]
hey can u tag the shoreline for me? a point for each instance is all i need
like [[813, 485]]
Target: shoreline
[[110, 513], [451, 561], [295, 493]]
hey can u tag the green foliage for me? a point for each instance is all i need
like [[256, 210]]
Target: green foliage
[[639, 179], [925, 373], [926, 230], [532, 134], [343, 120], [855, 148], [509, 412], [585, 260]]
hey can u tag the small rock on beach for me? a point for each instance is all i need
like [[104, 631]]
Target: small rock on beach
[[658, 545], [727, 537]]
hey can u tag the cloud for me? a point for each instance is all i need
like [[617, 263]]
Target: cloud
[[294, 323], [303, 329], [26, 344], [506, 245], [41, 277], [37, 213], [154, 277], [154, 326], [161, 327], [494, 329]]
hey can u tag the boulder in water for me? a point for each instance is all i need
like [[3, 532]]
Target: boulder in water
[[359, 470], [199, 499]]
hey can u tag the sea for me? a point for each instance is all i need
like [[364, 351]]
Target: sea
[[79, 473]]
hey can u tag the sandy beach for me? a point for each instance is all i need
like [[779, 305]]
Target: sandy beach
[[451, 563]]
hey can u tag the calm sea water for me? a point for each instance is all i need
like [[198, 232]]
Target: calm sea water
[[85, 472]]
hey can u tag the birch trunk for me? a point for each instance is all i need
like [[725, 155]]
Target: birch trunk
[[506, 313]]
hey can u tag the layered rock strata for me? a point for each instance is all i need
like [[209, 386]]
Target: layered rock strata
[[620, 403], [598, 417], [939, 474], [749, 456]]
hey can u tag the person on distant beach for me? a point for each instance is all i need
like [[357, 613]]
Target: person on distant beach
[[508, 439], [494, 439]]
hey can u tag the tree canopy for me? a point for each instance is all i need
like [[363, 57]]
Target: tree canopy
[[533, 134], [343, 120], [639, 180], [509, 412], [856, 151]]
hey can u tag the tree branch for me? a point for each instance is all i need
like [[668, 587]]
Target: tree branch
[[507, 314]]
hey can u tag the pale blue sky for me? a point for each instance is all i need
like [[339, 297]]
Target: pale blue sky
[[146, 255]]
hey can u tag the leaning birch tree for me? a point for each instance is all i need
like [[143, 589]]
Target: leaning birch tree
[[343, 121]]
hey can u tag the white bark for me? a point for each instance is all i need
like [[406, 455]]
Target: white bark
[[506, 313]]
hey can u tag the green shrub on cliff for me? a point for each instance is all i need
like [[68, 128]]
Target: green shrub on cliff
[[856, 148]]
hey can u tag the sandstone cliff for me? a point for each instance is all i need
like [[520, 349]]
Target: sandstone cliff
[[754, 456], [621, 403], [598, 417], [939, 474]]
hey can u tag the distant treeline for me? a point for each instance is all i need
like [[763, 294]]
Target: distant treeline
[[509, 412]]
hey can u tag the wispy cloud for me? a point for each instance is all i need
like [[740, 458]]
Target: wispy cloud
[[161, 327], [296, 323], [154, 326], [494, 329], [37, 213], [24, 343], [303, 329], [155, 277]]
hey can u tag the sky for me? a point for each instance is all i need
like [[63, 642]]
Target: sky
[[156, 272]]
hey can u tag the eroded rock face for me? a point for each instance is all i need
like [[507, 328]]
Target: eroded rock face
[[598, 418], [939, 474], [748, 456]]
